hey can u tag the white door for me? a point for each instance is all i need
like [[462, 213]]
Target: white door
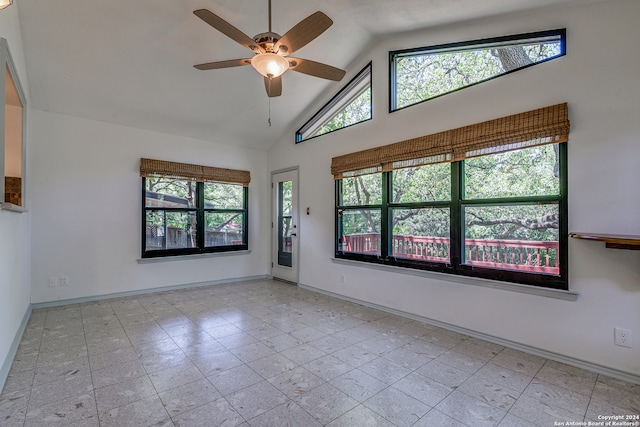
[[284, 195]]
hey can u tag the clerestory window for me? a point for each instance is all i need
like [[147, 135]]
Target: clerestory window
[[350, 106], [424, 73]]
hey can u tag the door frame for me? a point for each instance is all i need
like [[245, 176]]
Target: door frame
[[273, 252]]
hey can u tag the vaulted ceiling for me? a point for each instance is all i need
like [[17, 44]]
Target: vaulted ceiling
[[130, 62]]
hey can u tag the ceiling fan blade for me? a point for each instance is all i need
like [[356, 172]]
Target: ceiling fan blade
[[302, 33], [227, 29], [224, 64], [316, 69], [273, 86]]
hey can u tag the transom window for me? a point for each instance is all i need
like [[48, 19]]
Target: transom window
[[479, 208], [350, 106], [424, 73], [191, 209]]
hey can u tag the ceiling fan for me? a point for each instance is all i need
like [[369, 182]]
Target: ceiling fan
[[271, 51]]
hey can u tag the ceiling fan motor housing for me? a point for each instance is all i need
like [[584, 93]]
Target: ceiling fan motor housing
[[267, 40], [271, 50]]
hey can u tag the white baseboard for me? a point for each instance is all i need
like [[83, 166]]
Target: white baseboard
[[146, 291], [8, 360], [594, 367]]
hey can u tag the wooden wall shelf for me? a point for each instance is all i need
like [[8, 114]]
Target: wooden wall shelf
[[612, 241]]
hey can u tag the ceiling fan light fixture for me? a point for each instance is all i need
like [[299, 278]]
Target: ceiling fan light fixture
[[5, 3], [270, 64]]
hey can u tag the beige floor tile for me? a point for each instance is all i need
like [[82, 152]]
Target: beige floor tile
[[470, 410], [188, 396], [397, 407], [202, 355], [325, 403], [256, 399]]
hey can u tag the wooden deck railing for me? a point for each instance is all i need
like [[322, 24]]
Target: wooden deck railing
[[177, 237], [521, 255]]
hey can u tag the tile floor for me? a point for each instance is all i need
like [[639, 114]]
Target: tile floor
[[265, 353]]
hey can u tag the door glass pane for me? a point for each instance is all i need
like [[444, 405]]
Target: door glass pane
[[285, 223], [170, 230], [223, 228], [170, 193], [360, 231], [421, 234], [513, 237]]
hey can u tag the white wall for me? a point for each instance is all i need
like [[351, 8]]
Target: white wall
[[15, 228], [86, 199], [599, 79]]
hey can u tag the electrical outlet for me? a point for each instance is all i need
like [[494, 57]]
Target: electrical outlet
[[342, 278], [64, 280], [53, 282], [623, 337]]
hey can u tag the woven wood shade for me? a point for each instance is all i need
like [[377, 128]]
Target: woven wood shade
[[547, 125], [165, 169], [383, 158]]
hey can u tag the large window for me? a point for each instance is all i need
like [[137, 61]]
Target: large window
[[488, 200], [424, 73], [350, 106], [191, 209]]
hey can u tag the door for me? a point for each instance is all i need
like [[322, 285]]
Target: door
[[285, 226]]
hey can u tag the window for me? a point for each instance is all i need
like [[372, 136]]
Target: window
[[424, 73], [191, 209], [12, 139], [487, 200], [350, 106]]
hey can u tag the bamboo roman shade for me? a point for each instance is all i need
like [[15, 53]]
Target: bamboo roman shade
[[549, 125], [162, 168]]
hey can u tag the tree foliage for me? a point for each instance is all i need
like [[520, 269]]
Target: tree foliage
[[424, 76], [522, 173], [492, 178], [356, 111], [179, 193]]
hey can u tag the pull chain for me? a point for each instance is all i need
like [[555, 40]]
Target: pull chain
[[269, 119]]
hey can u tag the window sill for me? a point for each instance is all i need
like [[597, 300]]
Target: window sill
[[13, 208], [190, 257], [486, 283]]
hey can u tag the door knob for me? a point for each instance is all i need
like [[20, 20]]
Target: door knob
[[294, 234]]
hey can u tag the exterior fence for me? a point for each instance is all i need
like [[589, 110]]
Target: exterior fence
[[180, 238], [520, 255]]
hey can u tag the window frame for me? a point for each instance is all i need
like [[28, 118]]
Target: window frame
[[335, 105], [6, 62], [455, 266], [200, 210], [449, 47]]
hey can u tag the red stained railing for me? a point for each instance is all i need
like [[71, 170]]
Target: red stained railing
[[520, 255]]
